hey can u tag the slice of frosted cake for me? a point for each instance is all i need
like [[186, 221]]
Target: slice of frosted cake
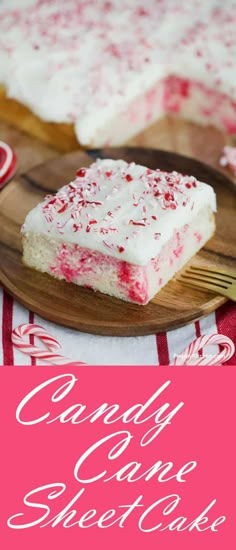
[[122, 229]]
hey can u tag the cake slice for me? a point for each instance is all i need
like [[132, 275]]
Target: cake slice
[[122, 229]]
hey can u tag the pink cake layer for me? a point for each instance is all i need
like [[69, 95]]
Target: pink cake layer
[[187, 99], [195, 101], [134, 283]]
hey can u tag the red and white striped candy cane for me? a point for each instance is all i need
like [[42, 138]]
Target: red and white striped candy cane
[[8, 163], [188, 356], [49, 355]]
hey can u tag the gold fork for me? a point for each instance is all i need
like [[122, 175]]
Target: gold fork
[[211, 278]]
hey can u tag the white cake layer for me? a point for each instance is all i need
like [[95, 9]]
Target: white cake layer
[[122, 210], [86, 62], [101, 272]]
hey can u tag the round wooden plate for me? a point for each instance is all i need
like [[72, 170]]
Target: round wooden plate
[[81, 308]]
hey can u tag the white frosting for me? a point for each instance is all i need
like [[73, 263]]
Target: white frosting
[[84, 62], [123, 210]]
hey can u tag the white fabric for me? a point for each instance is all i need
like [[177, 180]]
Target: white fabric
[[107, 350]]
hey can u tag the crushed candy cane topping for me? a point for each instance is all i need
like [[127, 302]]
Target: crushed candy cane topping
[[133, 221]]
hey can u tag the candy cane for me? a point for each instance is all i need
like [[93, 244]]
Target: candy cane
[[51, 343], [188, 356], [229, 158], [7, 163]]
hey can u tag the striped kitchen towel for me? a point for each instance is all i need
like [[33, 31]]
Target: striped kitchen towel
[[158, 349]]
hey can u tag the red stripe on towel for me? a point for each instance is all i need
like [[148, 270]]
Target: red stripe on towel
[[7, 313], [226, 324], [198, 334], [31, 338], [162, 349]]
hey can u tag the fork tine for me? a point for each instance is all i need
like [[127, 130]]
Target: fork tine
[[215, 271], [202, 284], [208, 277]]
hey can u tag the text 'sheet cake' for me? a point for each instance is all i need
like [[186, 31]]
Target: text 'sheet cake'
[[120, 228]]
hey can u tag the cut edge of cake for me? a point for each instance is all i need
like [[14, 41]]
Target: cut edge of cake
[[108, 275]]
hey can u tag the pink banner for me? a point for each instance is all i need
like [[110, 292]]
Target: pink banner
[[118, 458]]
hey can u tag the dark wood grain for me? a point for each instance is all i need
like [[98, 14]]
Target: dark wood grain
[[81, 308]]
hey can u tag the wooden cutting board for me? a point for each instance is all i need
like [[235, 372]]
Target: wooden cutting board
[[81, 308], [38, 142]]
